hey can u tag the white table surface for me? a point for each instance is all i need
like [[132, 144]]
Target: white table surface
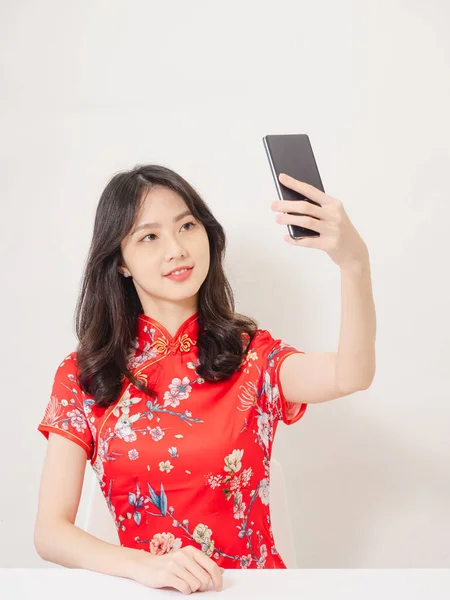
[[301, 584]]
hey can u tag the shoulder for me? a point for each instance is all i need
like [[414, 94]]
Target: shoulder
[[67, 372], [267, 348], [262, 341], [68, 364], [259, 348]]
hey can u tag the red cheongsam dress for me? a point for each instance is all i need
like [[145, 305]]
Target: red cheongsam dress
[[192, 466]]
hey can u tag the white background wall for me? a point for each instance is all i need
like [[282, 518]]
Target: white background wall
[[96, 86]]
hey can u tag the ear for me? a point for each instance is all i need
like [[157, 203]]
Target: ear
[[122, 269]]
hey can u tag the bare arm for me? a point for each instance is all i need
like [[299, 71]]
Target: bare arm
[[58, 540]]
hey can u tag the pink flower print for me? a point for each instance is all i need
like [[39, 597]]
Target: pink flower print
[[133, 454], [262, 561], [245, 476], [135, 358], [157, 434], [162, 543], [235, 483], [272, 393], [77, 420], [178, 390], [264, 428], [123, 427], [92, 427], [264, 491], [214, 481], [53, 411], [246, 561], [239, 506]]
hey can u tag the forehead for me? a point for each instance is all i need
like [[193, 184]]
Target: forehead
[[159, 202]]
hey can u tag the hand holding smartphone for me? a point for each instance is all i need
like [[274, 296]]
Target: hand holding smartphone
[[292, 154]]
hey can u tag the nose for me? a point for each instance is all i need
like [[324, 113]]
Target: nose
[[174, 249]]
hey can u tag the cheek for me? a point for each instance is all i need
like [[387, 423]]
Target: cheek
[[204, 251], [147, 265], [199, 253]]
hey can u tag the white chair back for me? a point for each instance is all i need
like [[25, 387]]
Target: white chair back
[[280, 515], [99, 521]]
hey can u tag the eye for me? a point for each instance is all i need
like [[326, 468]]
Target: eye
[[189, 223], [147, 236]]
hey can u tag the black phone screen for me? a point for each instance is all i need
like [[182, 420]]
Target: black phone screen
[[292, 154]]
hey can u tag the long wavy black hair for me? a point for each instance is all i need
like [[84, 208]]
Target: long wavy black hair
[[108, 305]]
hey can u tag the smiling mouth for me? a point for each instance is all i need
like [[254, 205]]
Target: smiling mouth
[[179, 271]]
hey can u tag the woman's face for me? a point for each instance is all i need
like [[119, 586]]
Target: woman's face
[[157, 244]]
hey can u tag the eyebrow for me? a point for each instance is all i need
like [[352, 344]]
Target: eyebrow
[[156, 225]]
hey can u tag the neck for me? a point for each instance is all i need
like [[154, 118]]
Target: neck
[[171, 316]]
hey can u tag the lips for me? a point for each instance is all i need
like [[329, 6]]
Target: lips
[[178, 269]]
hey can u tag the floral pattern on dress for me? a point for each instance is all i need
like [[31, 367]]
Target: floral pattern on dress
[[191, 466]]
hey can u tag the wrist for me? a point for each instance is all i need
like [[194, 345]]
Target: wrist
[[358, 267], [131, 561]]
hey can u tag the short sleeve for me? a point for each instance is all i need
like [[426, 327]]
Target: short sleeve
[[272, 352], [65, 412]]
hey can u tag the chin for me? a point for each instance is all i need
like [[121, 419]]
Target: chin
[[185, 289]]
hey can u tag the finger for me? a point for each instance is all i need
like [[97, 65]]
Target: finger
[[307, 242], [173, 581], [209, 565], [198, 571], [302, 207], [185, 574], [305, 189], [308, 222]]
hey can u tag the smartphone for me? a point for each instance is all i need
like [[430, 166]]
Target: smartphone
[[292, 154]]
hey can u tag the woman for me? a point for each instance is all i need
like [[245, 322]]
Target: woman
[[172, 396]]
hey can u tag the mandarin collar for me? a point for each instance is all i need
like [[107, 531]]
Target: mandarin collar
[[152, 334]]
